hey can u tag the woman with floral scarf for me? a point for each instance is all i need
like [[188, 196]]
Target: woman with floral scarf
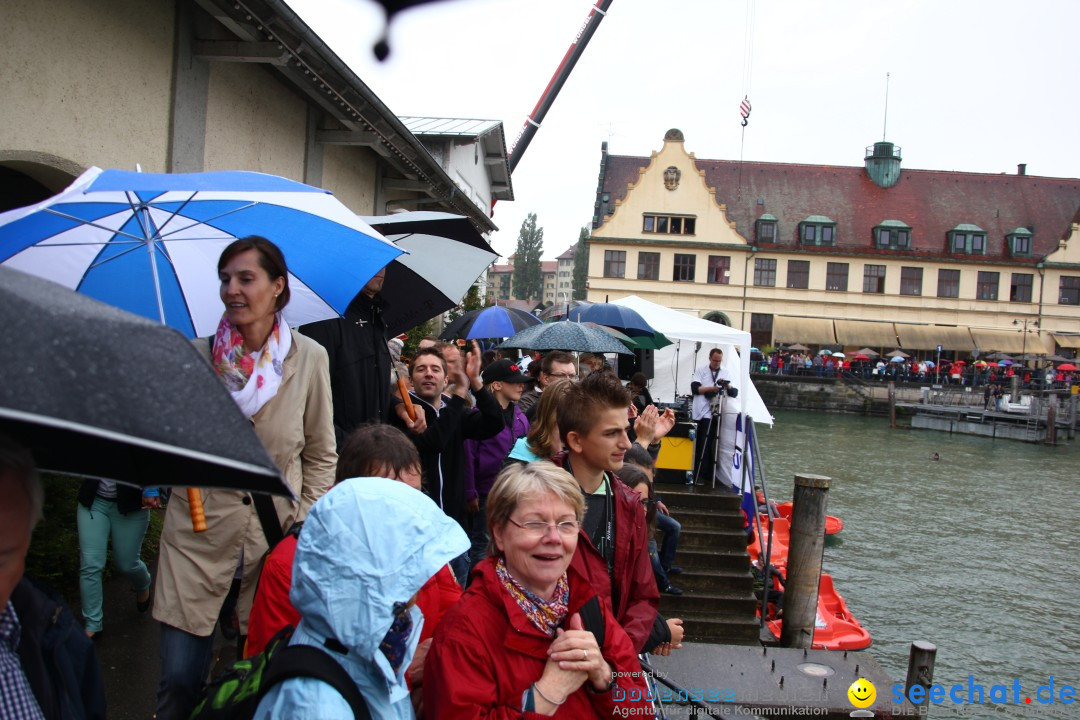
[[280, 380]]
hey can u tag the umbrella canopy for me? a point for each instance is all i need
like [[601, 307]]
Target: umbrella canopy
[[998, 356], [566, 336], [1057, 358], [95, 391], [861, 356], [611, 315], [489, 322], [981, 364], [1067, 367], [149, 243], [446, 253], [897, 359], [839, 355], [824, 352], [868, 351], [559, 309], [897, 353], [798, 347], [929, 363], [1005, 361]]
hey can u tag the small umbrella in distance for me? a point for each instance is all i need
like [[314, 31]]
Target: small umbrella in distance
[[611, 315], [565, 335], [490, 322], [1067, 367]]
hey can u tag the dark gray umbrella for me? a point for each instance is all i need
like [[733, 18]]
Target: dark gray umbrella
[[565, 335], [95, 391]]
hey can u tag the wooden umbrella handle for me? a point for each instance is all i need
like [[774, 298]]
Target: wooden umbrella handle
[[405, 399], [198, 517]]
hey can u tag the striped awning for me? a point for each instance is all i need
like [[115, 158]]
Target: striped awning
[[928, 337], [1068, 341], [812, 331], [864, 332], [1006, 341]]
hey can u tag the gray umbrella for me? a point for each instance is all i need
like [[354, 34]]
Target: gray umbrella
[[95, 391], [566, 336]]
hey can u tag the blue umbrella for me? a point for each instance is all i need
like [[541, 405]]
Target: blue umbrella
[[149, 243], [614, 316], [490, 322], [566, 336], [897, 359]]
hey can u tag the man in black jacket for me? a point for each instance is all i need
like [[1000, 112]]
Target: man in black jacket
[[359, 360], [449, 423]]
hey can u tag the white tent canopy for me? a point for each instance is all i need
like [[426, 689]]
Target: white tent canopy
[[693, 337]]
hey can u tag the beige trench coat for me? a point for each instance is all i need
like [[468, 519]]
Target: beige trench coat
[[296, 426]]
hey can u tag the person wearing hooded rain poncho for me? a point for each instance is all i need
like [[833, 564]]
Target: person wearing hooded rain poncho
[[367, 547]]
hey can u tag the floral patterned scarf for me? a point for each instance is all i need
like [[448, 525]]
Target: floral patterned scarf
[[546, 615], [252, 378]]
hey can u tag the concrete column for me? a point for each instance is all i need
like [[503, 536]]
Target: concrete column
[[191, 82]]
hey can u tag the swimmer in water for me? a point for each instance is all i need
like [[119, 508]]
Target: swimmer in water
[[934, 457]]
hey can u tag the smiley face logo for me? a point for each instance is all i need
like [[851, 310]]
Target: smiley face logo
[[862, 693]]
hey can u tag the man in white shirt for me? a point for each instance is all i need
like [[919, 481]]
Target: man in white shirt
[[710, 385]]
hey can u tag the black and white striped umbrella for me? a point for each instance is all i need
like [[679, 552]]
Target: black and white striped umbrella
[[446, 253]]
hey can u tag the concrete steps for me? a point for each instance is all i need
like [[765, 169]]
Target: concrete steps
[[718, 601]]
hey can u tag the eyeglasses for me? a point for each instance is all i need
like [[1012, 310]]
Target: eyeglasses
[[540, 529]]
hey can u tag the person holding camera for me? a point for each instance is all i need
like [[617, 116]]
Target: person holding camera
[[710, 384]]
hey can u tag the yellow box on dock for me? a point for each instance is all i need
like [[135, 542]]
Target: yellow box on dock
[[676, 453]]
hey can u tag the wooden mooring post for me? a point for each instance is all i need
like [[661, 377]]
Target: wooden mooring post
[[892, 403], [920, 671], [804, 560], [1051, 421]]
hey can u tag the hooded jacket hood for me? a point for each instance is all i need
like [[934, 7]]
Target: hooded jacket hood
[[367, 544]]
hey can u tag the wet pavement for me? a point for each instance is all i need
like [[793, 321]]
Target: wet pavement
[[128, 652]]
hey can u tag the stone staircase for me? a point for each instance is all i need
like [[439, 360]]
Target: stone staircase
[[718, 601]]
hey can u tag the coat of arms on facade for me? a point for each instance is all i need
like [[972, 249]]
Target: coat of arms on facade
[[671, 177]]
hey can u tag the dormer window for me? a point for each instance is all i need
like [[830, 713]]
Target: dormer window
[[892, 235], [765, 230], [967, 239], [1019, 242], [817, 230]]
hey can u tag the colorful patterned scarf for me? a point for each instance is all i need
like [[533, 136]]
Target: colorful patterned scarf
[[395, 643], [252, 378], [546, 615]]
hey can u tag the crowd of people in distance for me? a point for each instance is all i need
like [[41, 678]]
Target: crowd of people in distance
[[490, 543], [1036, 375]]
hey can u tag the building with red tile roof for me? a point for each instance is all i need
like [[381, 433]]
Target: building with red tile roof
[[857, 255]]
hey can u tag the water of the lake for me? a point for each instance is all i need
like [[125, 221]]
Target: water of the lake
[[970, 552]]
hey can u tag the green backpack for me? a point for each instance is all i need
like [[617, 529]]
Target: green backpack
[[236, 693]]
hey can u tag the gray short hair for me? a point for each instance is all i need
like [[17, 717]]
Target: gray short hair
[[16, 461], [518, 483]]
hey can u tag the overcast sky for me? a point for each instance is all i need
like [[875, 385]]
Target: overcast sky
[[975, 85]]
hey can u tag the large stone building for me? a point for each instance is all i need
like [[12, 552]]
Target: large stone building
[[876, 255], [200, 85]]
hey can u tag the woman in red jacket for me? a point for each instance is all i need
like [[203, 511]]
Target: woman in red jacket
[[530, 637]]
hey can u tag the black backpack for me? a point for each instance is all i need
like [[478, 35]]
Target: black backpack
[[236, 693]]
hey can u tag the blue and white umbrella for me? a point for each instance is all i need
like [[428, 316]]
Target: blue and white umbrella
[[149, 243]]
